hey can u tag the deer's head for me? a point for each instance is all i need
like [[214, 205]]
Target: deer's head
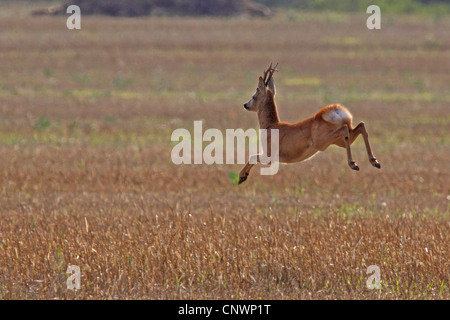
[[265, 90]]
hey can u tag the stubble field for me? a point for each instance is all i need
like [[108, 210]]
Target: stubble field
[[87, 179]]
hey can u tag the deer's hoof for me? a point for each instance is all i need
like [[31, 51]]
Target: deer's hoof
[[375, 163], [243, 178], [353, 165]]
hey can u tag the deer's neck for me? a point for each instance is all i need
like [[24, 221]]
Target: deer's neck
[[268, 115]]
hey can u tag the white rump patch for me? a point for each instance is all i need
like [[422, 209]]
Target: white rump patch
[[337, 115]]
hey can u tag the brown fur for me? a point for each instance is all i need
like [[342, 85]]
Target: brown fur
[[299, 141]]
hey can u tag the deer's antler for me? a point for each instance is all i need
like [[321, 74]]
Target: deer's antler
[[269, 73]]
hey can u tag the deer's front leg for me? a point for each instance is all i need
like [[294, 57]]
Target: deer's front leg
[[248, 166]]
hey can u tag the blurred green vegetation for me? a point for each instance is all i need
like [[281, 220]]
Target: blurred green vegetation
[[231, 7], [387, 6]]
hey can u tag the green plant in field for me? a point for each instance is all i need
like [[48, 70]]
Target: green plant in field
[[82, 78], [109, 118], [234, 177], [327, 97], [431, 43], [121, 82], [48, 71], [42, 123], [298, 81], [419, 84]]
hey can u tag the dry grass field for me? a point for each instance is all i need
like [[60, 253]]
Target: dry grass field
[[87, 179]]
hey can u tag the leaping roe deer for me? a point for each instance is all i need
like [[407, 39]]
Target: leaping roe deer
[[299, 141]]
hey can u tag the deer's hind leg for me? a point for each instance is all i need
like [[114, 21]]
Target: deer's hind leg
[[340, 137], [360, 129], [345, 132]]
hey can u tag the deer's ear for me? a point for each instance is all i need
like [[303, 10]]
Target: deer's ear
[[261, 84], [271, 86]]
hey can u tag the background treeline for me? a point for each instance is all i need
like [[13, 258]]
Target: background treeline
[[145, 7], [252, 7]]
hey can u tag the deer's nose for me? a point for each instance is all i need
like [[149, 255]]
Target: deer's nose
[[245, 106]]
